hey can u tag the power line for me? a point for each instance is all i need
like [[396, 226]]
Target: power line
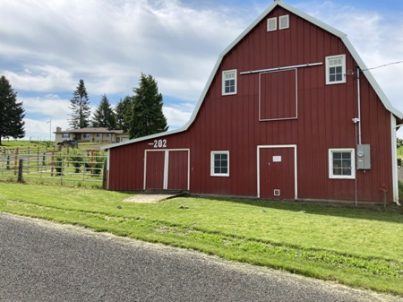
[[384, 65]]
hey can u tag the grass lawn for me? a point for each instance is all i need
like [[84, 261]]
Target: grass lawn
[[358, 247], [400, 152]]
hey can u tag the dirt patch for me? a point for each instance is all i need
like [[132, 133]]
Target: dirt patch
[[149, 198]]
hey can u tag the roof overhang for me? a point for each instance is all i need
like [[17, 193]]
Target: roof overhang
[[388, 105]]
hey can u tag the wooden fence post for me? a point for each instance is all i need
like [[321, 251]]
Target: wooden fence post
[[20, 170]]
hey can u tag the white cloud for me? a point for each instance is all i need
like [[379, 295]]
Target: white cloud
[[50, 106], [108, 44], [176, 117], [40, 129]]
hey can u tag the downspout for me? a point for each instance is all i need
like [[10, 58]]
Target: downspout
[[357, 122], [359, 105]]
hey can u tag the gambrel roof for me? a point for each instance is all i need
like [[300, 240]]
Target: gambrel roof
[[320, 24]]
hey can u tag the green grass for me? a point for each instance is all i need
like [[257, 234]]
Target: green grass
[[12, 144], [357, 247], [400, 152]]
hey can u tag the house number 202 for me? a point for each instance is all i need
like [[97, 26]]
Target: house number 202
[[160, 143]]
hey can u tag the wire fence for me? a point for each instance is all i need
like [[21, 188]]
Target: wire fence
[[52, 167]]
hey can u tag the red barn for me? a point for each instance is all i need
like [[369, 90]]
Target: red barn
[[289, 112]]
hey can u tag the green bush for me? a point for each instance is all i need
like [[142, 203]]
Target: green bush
[[77, 161], [59, 166]]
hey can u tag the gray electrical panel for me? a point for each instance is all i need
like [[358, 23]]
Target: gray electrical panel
[[363, 157]]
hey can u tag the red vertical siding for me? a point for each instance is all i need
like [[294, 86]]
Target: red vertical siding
[[325, 114], [155, 170], [277, 172], [178, 170]]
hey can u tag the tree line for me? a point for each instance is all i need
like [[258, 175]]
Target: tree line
[[139, 115]]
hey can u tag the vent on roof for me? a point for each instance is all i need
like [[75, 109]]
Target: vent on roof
[[272, 24], [284, 22]]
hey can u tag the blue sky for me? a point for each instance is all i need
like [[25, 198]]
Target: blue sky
[[47, 46]]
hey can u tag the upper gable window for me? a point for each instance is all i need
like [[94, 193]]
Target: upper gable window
[[229, 79], [272, 24], [284, 22], [336, 69]]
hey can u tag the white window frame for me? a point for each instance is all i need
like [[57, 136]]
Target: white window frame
[[225, 72], [280, 19], [272, 21], [343, 69], [212, 173], [353, 168]]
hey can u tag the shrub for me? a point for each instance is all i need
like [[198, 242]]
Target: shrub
[[77, 161], [59, 166]]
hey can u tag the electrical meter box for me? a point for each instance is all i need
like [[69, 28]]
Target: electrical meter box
[[363, 157]]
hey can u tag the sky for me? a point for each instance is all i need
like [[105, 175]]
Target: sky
[[47, 46]]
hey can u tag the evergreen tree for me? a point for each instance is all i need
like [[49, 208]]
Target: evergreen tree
[[104, 115], [123, 113], [80, 105], [147, 116], [11, 112]]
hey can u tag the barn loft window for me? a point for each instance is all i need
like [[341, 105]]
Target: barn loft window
[[341, 163], [219, 163], [272, 24], [284, 22], [336, 69], [229, 79]]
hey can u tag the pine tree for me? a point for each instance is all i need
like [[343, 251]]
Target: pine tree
[[80, 105], [104, 115], [147, 116], [11, 112], [123, 113]]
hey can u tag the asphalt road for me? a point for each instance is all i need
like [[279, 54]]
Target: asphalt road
[[41, 261]]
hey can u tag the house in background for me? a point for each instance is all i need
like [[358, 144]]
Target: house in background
[[290, 111], [95, 135]]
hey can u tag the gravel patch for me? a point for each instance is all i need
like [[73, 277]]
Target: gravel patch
[[42, 261]]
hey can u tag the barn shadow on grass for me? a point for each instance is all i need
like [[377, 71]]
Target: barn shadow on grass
[[390, 214]]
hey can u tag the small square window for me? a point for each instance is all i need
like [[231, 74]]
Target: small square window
[[272, 24], [341, 163], [336, 69], [219, 163], [229, 82], [284, 22]]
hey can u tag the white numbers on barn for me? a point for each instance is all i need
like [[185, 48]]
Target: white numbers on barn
[[160, 143]]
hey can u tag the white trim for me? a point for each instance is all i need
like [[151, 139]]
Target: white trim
[[343, 69], [395, 177], [166, 166], [166, 169], [296, 97], [330, 163], [287, 19], [235, 73], [212, 173], [263, 15], [259, 147]]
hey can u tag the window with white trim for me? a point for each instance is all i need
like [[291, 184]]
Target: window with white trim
[[229, 82], [272, 24], [284, 22], [342, 163], [66, 135], [336, 69], [219, 163]]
